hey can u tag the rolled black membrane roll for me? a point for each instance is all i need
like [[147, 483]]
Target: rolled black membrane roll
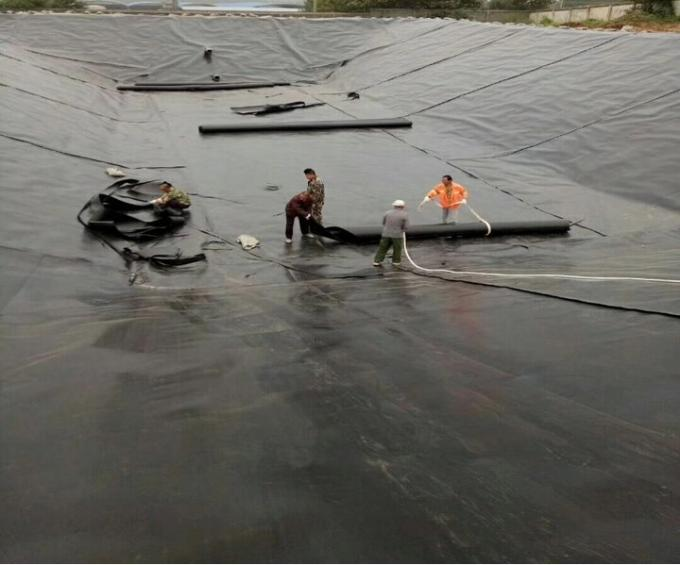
[[305, 126], [181, 86], [362, 235]]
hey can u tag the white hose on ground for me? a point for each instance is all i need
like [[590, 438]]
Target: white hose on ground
[[532, 275], [476, 215]]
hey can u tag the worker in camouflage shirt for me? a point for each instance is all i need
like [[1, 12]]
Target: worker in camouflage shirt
[[315, 189], [172, 199]]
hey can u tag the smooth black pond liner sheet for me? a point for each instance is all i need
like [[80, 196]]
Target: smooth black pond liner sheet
[[380, 123], [366, 234], [293, 403]]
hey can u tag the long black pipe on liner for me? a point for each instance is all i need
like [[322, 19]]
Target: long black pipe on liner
[[306, 126], [361, 235], [211, 83], [181, 86]]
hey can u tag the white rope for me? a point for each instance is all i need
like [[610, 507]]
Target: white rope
[[532, 276]]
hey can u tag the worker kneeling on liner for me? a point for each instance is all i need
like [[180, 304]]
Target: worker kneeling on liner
[[395, 223], [300, 206], [449, 196], [173, 201]]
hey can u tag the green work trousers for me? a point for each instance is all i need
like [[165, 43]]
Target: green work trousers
[[395, 243]]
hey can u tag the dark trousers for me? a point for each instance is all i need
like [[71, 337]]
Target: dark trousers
[[290, 220], [172, 208], [397, 245]]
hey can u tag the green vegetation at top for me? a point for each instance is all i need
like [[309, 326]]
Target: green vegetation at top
[[637, 20], [368, 5], [20, 5], [663, 8], [519, 4], [444, 7]]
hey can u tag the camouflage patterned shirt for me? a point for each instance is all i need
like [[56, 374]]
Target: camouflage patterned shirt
[[316, 190], [176, 195]]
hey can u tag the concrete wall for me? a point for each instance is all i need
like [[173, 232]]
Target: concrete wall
[[606, 13]]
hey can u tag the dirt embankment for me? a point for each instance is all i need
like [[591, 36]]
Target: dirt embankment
[[633, 22]]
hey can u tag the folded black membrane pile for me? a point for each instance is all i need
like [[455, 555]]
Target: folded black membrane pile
[[124, 211]]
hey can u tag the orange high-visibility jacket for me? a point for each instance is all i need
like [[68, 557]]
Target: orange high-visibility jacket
[[450, 200]]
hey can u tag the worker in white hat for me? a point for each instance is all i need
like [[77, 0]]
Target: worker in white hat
[[395, 223]]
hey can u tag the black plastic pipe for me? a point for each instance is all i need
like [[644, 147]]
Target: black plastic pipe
[[360, 235], [306, 126], [181, 86]]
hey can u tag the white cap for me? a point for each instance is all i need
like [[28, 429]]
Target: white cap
[[398, 203]]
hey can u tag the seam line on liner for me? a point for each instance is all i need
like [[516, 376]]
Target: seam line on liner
[[85, 157], [393, 43], [48, 70], [55, 101], [77, 60], [611, 116], [464, 52], [93, 159], [506, 79], [340, 64]]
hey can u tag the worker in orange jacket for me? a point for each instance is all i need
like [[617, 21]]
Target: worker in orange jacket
[[449, 196]]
